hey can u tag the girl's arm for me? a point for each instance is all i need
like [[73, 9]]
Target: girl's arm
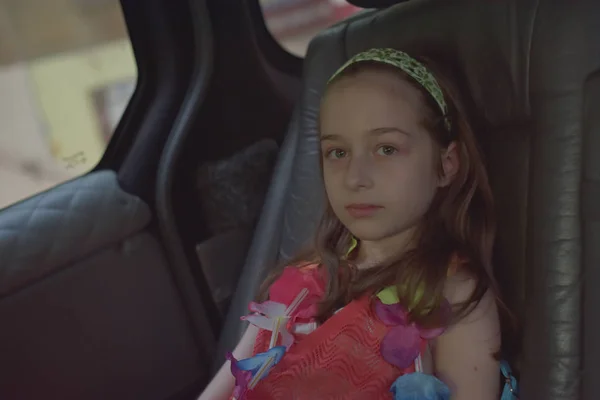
[[464, 355], [221, 387]]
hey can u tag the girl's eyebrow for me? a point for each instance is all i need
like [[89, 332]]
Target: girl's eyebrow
[[376, 131], [330, 137], [386, 129]]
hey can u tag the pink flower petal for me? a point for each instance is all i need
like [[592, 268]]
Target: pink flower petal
[[431, 333], [308, 311], [269, 308], [400, 346], [259, 321], [390, 314], [242, 378], [287, 339]]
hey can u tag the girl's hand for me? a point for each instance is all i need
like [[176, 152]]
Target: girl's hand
[[221, 387]]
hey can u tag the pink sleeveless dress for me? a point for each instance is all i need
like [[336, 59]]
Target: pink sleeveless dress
[[342, 358]]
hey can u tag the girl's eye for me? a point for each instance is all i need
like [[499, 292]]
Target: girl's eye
[[386, 151], [336, 154]]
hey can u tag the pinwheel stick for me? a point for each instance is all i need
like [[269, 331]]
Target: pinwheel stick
[[275, 333], [265, 367], [294, 304]]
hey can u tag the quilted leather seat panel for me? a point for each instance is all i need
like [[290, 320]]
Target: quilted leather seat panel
[[37, 235]]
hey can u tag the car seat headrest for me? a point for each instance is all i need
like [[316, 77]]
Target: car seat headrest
[[374, 3]]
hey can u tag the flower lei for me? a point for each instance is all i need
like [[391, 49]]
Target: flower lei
[[401, 346]]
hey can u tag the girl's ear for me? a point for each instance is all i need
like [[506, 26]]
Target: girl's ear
[[450, 164]]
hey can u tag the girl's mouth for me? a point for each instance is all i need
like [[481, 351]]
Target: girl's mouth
[[362, 210]]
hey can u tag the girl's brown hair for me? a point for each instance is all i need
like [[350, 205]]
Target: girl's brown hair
[[460, 222]]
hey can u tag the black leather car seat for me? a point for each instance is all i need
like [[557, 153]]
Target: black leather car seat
[[531, 69]]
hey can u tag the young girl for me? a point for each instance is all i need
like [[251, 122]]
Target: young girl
[[396, 299]]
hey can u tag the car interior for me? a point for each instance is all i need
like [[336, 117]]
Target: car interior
[[128, 282]]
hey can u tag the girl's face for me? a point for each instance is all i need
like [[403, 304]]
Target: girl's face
[[380, 165]]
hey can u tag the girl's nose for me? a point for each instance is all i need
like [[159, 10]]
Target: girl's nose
[[358, 174]]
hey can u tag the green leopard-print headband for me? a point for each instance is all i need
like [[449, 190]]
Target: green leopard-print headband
[[410, 66]]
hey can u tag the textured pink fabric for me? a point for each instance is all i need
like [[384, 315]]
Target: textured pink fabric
[[339, 360]]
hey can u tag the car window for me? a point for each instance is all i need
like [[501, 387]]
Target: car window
[[67, 71], [293, 23]]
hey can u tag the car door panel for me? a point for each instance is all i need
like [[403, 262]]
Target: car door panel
[[88, 305]]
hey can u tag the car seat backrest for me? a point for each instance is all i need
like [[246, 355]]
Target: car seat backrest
[[530, 69]]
